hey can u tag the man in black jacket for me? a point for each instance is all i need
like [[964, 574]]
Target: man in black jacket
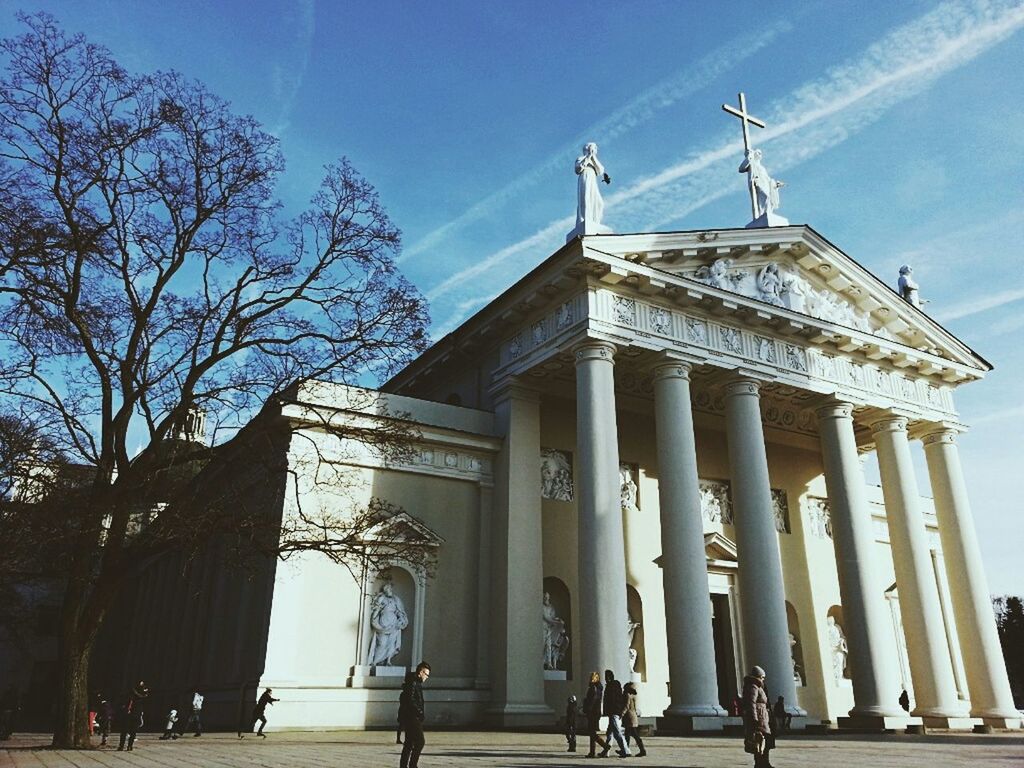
[[612, 709], [411, 715], [132, 715]]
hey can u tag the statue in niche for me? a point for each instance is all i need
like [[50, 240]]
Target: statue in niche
[[909, 289], [631, 628], [765, 187], [837, 644], [556, 639], [769, 284], [589, 204], [797, 677], [387, 620], [627, 489], [555, 475]]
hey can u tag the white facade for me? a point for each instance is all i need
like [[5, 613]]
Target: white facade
[[734, 376]]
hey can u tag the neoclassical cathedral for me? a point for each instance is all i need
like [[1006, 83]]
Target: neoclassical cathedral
[[647, 456]]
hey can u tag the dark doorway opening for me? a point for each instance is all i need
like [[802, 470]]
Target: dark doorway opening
[[725, 658]]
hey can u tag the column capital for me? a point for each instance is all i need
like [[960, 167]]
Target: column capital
[[594, 349], [933, 432], [672, 369], [890, 422], [742, 385], [940, 435], [834, 409]]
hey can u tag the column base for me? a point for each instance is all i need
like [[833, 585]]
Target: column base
[[1004, 723], [519, 715], [949, 723], [672, 724], [877, 723]]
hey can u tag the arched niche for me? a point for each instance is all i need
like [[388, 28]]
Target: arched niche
[[561, 604], [796, 650], [408, 585], [635, 618], [835, 636]]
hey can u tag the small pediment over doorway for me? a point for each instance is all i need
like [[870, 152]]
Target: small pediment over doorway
[[396, 526], [720, 551]]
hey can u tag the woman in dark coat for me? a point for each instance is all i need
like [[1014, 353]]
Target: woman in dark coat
[[592, 711], [757, 731]]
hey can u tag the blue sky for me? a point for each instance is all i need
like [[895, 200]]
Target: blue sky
[[896, 127]]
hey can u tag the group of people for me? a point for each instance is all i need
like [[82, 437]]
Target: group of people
[[129, 717], [616, 702]]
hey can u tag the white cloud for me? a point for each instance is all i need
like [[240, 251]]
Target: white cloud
[[980, 304], [286, 78], [810, 120], [640, 109]]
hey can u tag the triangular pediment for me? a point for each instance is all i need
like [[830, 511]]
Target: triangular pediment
[[796, 270], [718, 548], [396, 526]]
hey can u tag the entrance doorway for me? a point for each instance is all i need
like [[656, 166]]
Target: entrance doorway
[[725, 657]]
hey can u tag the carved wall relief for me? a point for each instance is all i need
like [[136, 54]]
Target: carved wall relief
[[556, 474]]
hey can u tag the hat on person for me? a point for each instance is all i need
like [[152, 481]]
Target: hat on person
[[756, 671]]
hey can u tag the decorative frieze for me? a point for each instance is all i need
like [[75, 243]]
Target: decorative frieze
[[624, 310], [780, 510], [715, 502], [556, 483], [660, 320], [628, 489], [819, 516]]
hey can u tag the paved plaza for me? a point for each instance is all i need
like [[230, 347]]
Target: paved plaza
[[365, 749]]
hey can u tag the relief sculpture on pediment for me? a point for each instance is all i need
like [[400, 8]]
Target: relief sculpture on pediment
[[785, 287]]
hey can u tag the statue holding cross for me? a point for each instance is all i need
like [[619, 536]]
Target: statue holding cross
[[764, 190]]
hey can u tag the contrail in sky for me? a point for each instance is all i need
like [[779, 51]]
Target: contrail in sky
[[810, 120], [622, 120]]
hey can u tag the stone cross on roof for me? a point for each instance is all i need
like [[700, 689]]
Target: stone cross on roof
[[746, 119]]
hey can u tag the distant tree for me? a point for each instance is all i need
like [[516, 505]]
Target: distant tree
[[1010, 622], [147, 275]]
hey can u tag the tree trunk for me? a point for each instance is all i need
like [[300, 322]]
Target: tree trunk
[[71, 716]]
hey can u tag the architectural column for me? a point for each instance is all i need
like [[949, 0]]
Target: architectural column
[[602, 555], [871, 645], [762, 594], [517, 576], [930, 669], [987, 683], [691, 644]]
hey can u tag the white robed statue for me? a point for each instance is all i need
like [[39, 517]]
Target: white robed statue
[[555, 638], [387, 620], [589, 203], [765, 186]]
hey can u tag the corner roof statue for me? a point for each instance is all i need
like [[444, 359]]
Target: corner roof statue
[[589, 204], [909, 289], [764, 190]]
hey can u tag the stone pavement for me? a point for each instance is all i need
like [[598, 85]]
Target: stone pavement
[[463, 749]]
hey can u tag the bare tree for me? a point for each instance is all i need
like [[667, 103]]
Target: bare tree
[[147, 273]]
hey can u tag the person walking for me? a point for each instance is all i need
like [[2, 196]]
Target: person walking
[[905, 701], [782, 718], [132, 715], [631, 719], [172, 720], [104, 717], [195, 717], [592, 711], [571, 709], [411, 715], [612, 709], [259, 712], [757, 732]]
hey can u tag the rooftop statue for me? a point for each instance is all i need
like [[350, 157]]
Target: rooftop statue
[[909, 287], [766, 188], [589, 204]]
